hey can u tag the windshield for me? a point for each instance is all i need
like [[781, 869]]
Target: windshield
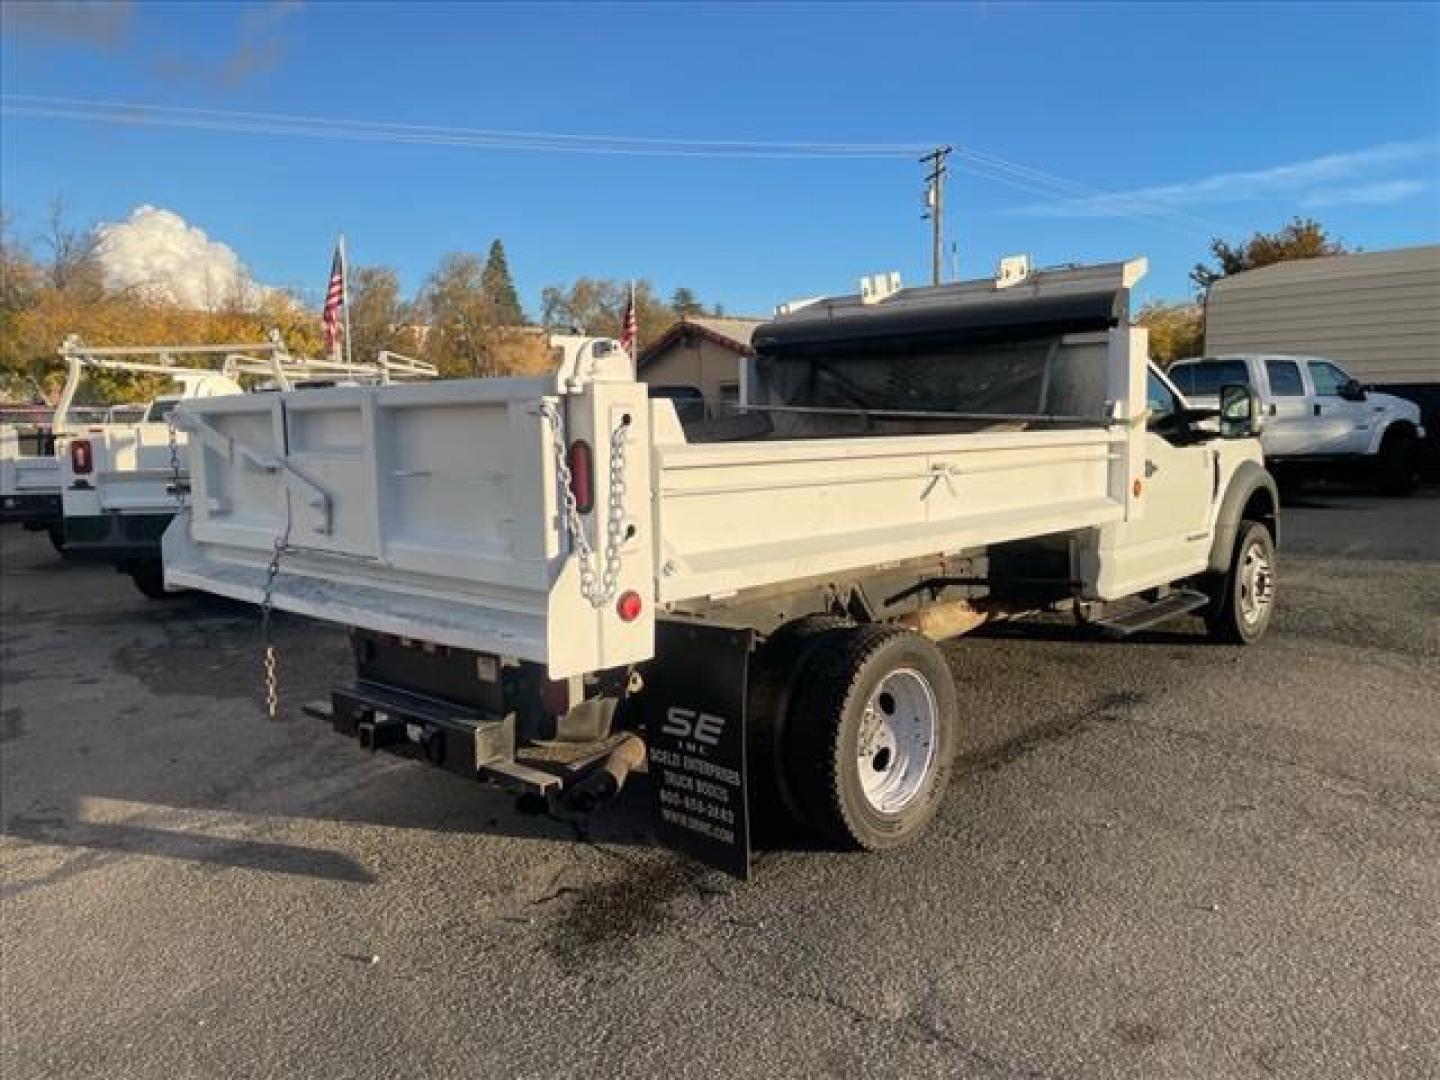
[[1209, 376]]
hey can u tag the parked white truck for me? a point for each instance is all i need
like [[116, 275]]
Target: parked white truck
[[120, 482], [550, 580], [29, 477], [1318, 419]]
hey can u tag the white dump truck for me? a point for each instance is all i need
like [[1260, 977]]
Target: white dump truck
[[551, 580], [120, 481]]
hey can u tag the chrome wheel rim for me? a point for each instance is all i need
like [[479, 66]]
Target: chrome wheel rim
[[1257, 584], [896, 744]]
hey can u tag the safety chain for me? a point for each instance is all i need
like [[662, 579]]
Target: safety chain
[[271, 661], [175, 492], [598, 593]]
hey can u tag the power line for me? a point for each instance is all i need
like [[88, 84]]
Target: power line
[[1061, 189], [421, 134], [988, 166]]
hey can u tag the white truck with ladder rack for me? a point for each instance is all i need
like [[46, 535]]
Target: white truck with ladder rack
[[552, 580], [120, 482]]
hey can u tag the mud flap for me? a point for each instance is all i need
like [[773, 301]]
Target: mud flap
[[695, 731]]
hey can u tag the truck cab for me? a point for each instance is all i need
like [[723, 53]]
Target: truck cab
[[1318, 419]]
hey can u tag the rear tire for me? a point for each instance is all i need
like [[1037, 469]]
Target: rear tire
[[56, 533], [775, 671], [1397, 467], [872, 736], [1242, 600]]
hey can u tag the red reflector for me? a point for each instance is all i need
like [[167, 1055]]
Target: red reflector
[[582, 476], [629, 605], [81, 459]]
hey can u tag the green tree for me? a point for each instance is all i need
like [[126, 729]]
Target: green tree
[[1302, 238], [504, 300], [1176, 330]]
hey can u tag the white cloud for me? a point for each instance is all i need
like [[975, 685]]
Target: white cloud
[[1378, 194], [1297, 178], [156, 253]]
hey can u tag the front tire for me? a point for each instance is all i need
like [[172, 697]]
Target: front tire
[[1397, 468], [149, 578], [872, 737], [1242, 600]]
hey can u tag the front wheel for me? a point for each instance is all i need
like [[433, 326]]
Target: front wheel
[[872, 738], [149, 578], [1242, 600], [1397, 468]]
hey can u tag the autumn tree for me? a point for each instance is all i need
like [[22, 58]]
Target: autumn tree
[[377, 313], [498, 286], [597, 306], [1176, 330], [1302, 238]]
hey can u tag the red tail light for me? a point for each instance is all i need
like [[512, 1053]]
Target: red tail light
[[81, 457], [582, 475], [629, 606]]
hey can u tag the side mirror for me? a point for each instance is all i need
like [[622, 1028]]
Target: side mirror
[[1352, 390], [1239, 412]]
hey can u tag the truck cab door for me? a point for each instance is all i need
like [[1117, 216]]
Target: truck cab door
[[1287, 408], [1170, 540], [1339, 426]]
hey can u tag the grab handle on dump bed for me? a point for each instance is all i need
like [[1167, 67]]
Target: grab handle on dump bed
[[316, 497]]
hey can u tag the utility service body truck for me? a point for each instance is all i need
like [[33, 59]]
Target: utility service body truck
[[121, 482], [29, 477], [550, 581]]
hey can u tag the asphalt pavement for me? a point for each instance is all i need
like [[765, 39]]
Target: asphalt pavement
[[1161, 858]]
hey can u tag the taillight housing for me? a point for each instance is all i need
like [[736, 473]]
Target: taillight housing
[[629, 606], [82, 457], [582, 475]]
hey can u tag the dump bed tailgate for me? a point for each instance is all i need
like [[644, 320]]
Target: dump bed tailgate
[[427, 511]]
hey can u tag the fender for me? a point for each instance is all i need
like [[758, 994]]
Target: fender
[[1249, 478], [1384, 427]]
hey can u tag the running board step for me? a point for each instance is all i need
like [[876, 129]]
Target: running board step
[[1179, 602]]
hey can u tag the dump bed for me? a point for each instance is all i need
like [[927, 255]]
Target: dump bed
[[551, 519]]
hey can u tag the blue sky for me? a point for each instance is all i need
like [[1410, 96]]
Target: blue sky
[[1190, 120]]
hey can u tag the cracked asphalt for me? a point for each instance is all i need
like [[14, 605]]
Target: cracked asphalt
[[1161, 859]]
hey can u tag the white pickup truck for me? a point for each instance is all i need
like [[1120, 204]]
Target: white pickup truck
[[550, 580], [120, 481], [1318, 420]]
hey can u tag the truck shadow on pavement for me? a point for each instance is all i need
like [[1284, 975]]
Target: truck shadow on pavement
[[100, 838]]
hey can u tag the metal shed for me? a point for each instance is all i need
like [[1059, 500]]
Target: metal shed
[[1377, 312]]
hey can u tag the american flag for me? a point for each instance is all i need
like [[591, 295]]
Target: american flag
[[334, 300], [630, 326]]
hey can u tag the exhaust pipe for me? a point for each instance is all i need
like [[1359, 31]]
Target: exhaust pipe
[[604, 783]]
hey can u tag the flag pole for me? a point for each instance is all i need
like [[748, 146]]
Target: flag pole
[[345, 297]]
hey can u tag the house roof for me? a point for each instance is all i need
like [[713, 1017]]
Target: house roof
[[733, 334]]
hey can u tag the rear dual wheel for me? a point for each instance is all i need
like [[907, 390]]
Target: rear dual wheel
[[870, 736]]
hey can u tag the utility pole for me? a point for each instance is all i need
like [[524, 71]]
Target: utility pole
[[935, 207]]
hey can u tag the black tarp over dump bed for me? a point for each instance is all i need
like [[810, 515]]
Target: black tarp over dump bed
[[981, 355]]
